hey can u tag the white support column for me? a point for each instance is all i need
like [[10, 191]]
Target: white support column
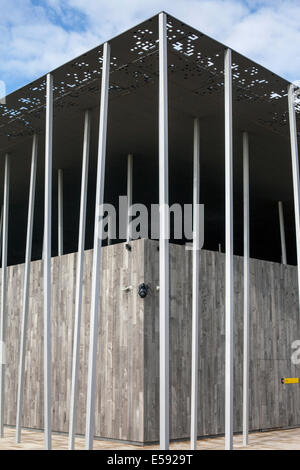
[[282, 233], [163, 237], [3, 290], [229, 254], [195, 300], [246, 289], [295, 170], [129, 194], [91, 381], [79, 278], [25, 304], [60, 211], [47, 262]]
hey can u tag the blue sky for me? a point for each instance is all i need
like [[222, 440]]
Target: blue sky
[[38, 35]]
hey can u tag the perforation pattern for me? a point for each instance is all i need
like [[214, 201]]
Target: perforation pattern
[[193, 59], [195, 62], [198, 63]]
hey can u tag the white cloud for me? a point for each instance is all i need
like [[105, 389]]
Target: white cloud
[[271, 36], [34, 43], [38, 36]]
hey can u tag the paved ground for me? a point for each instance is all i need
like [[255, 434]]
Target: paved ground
[[273, 440]]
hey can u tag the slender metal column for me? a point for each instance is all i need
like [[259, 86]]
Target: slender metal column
[[163, 237], [25, 304], [295, 170], [60, 181], [195, 300], [91, 383], [282, 233], [246, 289], [229, 254], [3, 289], [129, 195], [47, 262], [79, 277]]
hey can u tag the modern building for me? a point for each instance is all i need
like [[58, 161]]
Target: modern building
[[163, 114]]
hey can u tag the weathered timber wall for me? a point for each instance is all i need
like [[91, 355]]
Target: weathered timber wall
[[275, 324], [128, 348], [120, 385]]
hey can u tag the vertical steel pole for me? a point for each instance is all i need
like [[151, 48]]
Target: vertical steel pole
[[246, 289], [195, 300], [229, 254], [163, 236], [295, 170], [129, 195], [47, 262], [3, 289], [91, 383], [60, 180], [79, 277], [282, 233], [25, 304]]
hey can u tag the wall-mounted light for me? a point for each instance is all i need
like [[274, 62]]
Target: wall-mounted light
[[143, 290]]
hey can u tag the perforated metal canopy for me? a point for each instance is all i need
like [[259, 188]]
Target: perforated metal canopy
[[195, 64]]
